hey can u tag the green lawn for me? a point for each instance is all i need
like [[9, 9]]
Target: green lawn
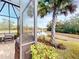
[[42, 51], [7, 31], [71, 52]]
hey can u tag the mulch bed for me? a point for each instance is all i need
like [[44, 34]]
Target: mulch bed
[[59, 46]]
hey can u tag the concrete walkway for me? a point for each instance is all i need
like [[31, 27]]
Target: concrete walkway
[[7, 50], [66, 38]]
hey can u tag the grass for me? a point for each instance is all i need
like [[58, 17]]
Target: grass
[[7, 31], [71, 51]]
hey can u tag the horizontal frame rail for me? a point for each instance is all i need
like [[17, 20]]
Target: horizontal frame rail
[[28, 43], [10, 3], [8, 16]]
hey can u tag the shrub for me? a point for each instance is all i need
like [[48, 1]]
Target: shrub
[[41, 51], [69, 26]]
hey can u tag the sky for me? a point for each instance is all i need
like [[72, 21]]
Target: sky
[[41, 22]]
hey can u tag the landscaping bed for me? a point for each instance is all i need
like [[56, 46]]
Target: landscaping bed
[[42, 50]]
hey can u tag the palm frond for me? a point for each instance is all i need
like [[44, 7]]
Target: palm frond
[[62, 6]]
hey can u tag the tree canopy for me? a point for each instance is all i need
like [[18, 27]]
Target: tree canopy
[[62, 7]]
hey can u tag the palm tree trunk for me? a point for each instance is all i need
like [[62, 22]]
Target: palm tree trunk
[[53, 28]]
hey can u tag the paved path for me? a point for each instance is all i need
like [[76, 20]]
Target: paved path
[[66, 38], [7, 50]]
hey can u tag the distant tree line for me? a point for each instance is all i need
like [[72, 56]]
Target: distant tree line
[[68, 26], [4, 25]]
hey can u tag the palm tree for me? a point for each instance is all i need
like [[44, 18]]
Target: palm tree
[[57, 7]]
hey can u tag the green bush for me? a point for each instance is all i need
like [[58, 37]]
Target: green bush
[[41, 51], [69, 26]]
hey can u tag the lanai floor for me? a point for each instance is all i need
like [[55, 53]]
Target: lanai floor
[[7, 50]]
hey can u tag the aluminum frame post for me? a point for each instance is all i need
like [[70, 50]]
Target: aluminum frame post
[[21, 28], [35, 20]]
